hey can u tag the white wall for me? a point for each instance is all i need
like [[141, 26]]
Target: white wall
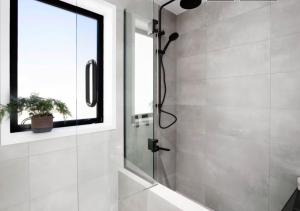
[[69, 173]]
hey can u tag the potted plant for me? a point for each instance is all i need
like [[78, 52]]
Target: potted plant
[[40, 111]]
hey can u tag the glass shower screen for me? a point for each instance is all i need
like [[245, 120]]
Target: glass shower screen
[[139, 94]]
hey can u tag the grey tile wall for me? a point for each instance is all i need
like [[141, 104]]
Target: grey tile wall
[[165, 162], [285, 104], [238, 104]]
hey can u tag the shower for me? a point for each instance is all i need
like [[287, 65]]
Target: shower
[[185, 4], [172, 38]]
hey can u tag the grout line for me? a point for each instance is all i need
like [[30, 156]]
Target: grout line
[[270, 113], [285, 72], [53, 191], [283, 36], [238, 15], [250, 43], [223, 77], [53, 151], [29, 177]]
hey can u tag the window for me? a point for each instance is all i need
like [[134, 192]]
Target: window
[[143, 78], [52, 43]]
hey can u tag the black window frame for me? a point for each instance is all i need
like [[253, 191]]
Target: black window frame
[[14, 126]]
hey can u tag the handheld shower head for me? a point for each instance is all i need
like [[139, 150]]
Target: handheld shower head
[[174, 36], [190, 4]]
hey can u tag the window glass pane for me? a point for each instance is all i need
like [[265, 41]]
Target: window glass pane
[[47, 53], [86, 50], [143, 100]]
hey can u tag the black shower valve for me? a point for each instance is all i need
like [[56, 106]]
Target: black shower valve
[[153, 146]]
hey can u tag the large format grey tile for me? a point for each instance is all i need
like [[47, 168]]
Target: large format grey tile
[[191, 68], [285, 156], [14, 183], [232, 167], [166, 118], [284, 170], [190, 167], [53, 171], [167, 137], [167, 160], [220, 201], [192, 43], [237, 122], [246, 28], [19, 207], [187, 142], [285, 124], [237, 61], [171, 93], [168, 180], [191, 119], [285, 90], [192, 19], [169, 22], [190, 189], [170, 67], [189, 174], [285, 54], [191, 93], [62, 200], [285, 17], [281, 189], [244, 92], [222, 10]]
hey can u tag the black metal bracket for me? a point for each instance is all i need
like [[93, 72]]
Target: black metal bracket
[[155, 29], [153, 146], [154, 26]]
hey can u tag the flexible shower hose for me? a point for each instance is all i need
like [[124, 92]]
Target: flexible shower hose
[[160, 107]]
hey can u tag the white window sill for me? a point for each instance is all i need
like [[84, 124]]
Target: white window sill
[[29, 136]]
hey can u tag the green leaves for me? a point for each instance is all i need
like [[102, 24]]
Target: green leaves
[[61, 108], [35, 106], [2, 112]]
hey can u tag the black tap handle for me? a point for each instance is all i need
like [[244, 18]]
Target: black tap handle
[[153, 146], [164, 149]]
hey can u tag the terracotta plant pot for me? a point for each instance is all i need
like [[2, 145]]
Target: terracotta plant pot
[[41, 124]]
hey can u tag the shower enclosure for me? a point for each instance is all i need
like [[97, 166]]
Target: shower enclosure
[[232, 78]]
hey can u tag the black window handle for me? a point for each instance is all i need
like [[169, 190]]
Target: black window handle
[[92, 63]]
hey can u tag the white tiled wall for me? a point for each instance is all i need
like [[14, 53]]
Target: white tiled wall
[[70, 173]]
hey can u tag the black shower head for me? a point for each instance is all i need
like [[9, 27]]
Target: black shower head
[[174, 36], [190, 4]]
